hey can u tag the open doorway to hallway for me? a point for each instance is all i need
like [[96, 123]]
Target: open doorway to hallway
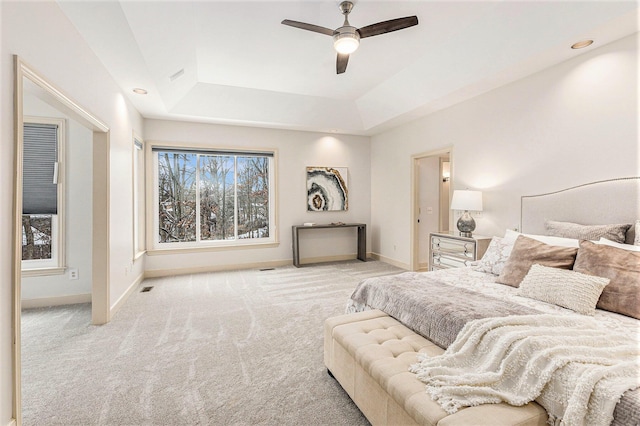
[[431, 195]]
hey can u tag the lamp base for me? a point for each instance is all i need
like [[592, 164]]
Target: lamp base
[[466, 224]]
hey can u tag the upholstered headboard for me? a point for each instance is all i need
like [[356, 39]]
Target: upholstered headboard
[[596, 203]]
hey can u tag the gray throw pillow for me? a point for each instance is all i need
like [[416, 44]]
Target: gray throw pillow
[[615, 232]]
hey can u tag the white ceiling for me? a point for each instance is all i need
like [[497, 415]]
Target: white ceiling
[[241, 66]]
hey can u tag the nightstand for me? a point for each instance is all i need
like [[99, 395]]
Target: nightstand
[[448, 250]]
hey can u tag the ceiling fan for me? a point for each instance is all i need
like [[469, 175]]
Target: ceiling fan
[[346, 38]]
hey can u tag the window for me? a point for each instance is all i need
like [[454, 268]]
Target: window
[[43, 196], [138, 198], [213, 198]]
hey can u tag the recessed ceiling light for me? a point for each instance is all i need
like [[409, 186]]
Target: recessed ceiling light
[[582, 44], [139, 91]]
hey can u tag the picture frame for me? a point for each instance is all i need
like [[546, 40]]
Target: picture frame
[[327, 189]]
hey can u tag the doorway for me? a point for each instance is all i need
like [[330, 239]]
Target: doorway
[[26, 78], [430, 199]]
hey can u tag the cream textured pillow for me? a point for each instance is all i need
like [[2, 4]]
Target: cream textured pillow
[[526, 252], [622, 267], [496, 256], [569, 289], [615, 233]]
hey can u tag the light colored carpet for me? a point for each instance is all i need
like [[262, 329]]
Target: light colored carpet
[[225, 348]]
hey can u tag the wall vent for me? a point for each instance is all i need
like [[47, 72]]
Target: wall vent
[[146, 289]]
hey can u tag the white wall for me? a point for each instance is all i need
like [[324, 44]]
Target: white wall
[[44, 38], [296, 150], [6, 211], [78, 223], [542, 133], [570, 124]]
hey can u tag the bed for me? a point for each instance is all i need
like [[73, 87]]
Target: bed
[[573, 286]]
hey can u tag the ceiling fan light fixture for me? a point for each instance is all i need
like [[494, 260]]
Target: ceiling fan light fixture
[[346, 42], [346, 39]]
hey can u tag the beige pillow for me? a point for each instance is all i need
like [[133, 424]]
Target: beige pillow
[[617, 233], [526, 252], [622, 267], [636, 240], [569, 289]]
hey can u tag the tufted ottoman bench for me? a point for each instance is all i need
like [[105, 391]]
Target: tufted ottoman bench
[[369, 354]]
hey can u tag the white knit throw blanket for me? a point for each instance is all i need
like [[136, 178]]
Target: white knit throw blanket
[[574, 369]]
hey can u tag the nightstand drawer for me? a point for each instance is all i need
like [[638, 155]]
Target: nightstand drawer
[[463, 250], [452, 251], [443, 261]]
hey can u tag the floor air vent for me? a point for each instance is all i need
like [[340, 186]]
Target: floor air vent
[[146, 289], [267, 269]]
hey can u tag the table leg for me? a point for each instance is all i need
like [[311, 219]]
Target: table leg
[[294, 243], [362, 243]]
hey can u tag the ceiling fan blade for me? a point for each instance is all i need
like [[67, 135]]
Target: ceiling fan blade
[[388, 26], [341, 62], [308, 27]]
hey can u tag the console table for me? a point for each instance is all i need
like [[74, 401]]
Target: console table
[[362, 238]]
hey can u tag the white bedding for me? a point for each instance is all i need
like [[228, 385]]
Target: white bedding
[[416, 299], [485, 283], [575, 370]]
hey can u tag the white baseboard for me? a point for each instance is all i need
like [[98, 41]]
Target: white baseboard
[[116, 306], [12, 422], [214, 268], [157, 273], [390, 261], [55, 301]]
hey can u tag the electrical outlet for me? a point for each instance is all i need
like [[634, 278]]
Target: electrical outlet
[[73, 273]]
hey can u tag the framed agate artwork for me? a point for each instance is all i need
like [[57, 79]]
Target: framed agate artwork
[[327, 189]]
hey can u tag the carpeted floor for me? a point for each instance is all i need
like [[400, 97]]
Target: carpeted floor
[[225, 348]]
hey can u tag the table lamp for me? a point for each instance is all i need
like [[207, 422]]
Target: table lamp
[[466, 200]]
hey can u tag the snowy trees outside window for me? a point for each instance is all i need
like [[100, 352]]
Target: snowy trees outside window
[[43, 206], [207, 197]]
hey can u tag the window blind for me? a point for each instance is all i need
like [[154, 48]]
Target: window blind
[[39, 169]]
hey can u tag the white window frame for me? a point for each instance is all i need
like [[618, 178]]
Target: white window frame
[[153, 238], [138, 192], [57, 264]]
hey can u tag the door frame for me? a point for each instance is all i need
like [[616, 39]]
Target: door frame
[[100, 303], [414, 264]]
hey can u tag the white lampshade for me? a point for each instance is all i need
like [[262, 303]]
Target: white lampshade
[[466, 200]]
